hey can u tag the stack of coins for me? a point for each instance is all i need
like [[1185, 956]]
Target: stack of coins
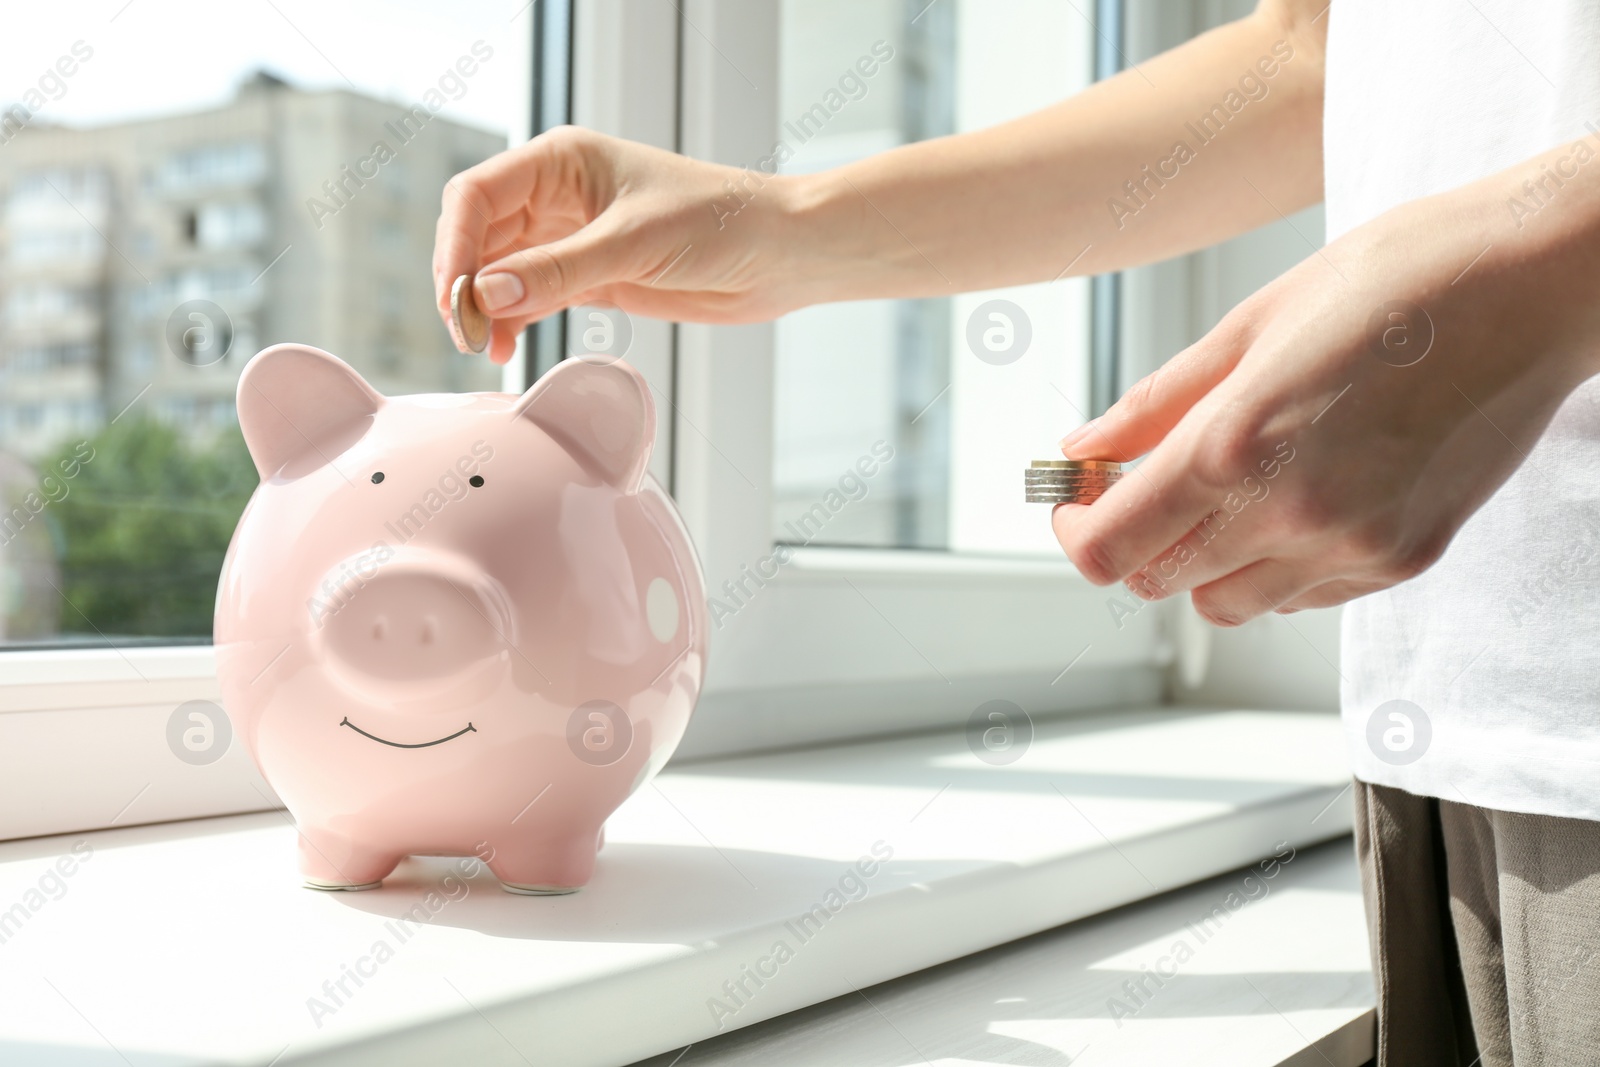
[[470, 326], [1070, 481]]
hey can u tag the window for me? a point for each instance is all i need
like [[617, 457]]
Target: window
[[937, 590], [851, 375], [189, 193], [158, 231], [963, 391], [210, 165], [910, 607], [230, 224]]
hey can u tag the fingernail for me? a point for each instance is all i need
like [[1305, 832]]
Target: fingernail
[[1076, 435], [498, 291]]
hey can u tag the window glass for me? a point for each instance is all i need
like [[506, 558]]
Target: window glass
[[182, 184], [856, 382]]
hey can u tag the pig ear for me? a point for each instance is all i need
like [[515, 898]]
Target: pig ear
[[599, 411], [299, 407]]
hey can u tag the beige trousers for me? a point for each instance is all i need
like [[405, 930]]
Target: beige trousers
[[1485, 932]]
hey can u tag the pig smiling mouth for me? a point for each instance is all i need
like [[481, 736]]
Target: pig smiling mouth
[[396, 744]]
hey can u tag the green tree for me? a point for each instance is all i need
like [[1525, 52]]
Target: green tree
[[143, 529]]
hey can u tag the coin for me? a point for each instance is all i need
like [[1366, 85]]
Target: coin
[[1067, 487], [1069, 481], [470, 326], [1076, 464], [1077, 490], [1035, 490], [1070, 476]]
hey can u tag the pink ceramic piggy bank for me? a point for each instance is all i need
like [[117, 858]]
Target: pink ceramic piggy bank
[[455, 624]]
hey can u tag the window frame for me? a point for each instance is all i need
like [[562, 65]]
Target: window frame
[[840, 645]]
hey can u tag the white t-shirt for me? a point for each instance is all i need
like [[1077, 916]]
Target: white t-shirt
[[1498, 644]]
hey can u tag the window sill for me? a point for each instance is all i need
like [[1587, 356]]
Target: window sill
[[190, 943], [888, 564], [1282, 981], [71, 678]]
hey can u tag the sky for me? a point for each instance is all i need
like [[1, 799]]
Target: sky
[[154, 57]]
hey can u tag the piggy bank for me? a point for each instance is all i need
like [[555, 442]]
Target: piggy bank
[[455, 624]]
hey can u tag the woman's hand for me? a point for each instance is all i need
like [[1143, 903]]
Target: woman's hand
[[1330, 436], [574, 216]]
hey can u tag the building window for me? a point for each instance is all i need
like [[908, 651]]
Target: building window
[[208, 166], [230, 225]]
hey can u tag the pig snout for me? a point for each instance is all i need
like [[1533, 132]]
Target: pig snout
[[421, 614]]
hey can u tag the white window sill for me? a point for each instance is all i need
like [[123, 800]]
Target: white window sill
[[1280, 980], [190, 943], [890, 564]]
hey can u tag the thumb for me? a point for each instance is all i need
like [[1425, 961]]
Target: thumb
[[534, 282], [1149, 410]]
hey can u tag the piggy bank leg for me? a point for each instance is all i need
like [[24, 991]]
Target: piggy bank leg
[[332, 861], [546, 866]]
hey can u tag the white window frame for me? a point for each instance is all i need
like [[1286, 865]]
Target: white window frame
[[843, 643], [847, 642]]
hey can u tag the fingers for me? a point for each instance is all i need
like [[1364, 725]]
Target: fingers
[[555, 174], [1263, 586], [533, 282], [503, 341], [473, 203], [1139, 517], [1150, 409], [1219, 544]]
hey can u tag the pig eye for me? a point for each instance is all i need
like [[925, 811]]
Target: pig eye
[[377, 476], [476, 481]]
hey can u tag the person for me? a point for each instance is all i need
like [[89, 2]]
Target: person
[[1417, 390]]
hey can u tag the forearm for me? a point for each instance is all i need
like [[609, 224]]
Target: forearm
[[1203, 142]]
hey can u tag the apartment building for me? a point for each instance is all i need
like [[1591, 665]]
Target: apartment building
[[143, 263]]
